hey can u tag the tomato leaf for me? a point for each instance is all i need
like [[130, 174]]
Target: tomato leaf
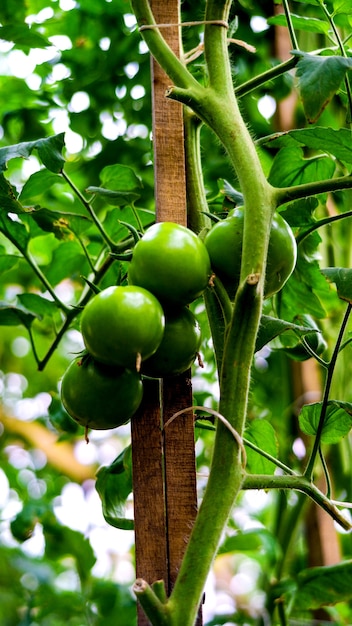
[[49, 151], [37, 305], [257, 540], [262, 434], [114, 484], [62, 225], [342, 278], [299, 213], [120, 178], [67, 260], [327, 140], [115, 198], [61, 541], [7, 261], [323, 586], [319, 78], [310, 24], [271, 327], [15, 316], [23, 36], [60, 419], [36, 183], [291, 168], [338, 420]]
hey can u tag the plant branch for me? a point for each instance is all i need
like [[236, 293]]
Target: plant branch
[[216, 46], [291, 30], [298, 483], [160, 50], [330, 371], [325, 220], [154, 609], [287, 194], [261, 79], [90, 210]]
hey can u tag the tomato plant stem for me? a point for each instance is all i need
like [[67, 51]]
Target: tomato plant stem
[[330, 371]]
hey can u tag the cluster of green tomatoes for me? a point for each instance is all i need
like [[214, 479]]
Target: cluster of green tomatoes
[[145, 328]]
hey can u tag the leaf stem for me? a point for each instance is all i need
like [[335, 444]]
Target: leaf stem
[[322, 222], [261, 79], [298, 483], [90, 210], [287, 194], [291, 30], [330, 371]]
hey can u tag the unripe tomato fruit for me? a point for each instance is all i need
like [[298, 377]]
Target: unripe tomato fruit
[[120, 323], [100, 396], [179, 345], [171, 262], [224, 244], [315, 340]]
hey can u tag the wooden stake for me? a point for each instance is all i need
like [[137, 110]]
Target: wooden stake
[[161, 541]]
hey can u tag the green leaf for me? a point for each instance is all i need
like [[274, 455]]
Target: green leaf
[[62, 225], [60, 419], [230, 192], [342, 278], [261, 433], [61, 542], [37, 305], [120, 185], [319, 78], [271, 327], [23, 36], [337, 424], [291, 168], [15, 316], [114, 484], [37, 183], [49, 151], [10, 12], [68, 260], [257, 540], [120, 178], [327, 140], [8, 197], [7, 261], [323, 586], [299, 213], [14, 231], [310, 24], [115, 198]]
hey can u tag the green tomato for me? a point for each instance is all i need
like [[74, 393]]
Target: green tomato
[[315, 340], [122, 325], [224, 244], [100, 396], [179, 346], [171, 262]]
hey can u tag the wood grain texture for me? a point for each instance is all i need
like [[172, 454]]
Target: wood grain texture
[[148, 491], [164, 460], [168, 138]]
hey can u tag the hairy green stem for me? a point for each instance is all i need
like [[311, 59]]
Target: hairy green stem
[[154, 608], [261, 79], [298, 483], [196, 199], [216, 105], [287, 194]]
